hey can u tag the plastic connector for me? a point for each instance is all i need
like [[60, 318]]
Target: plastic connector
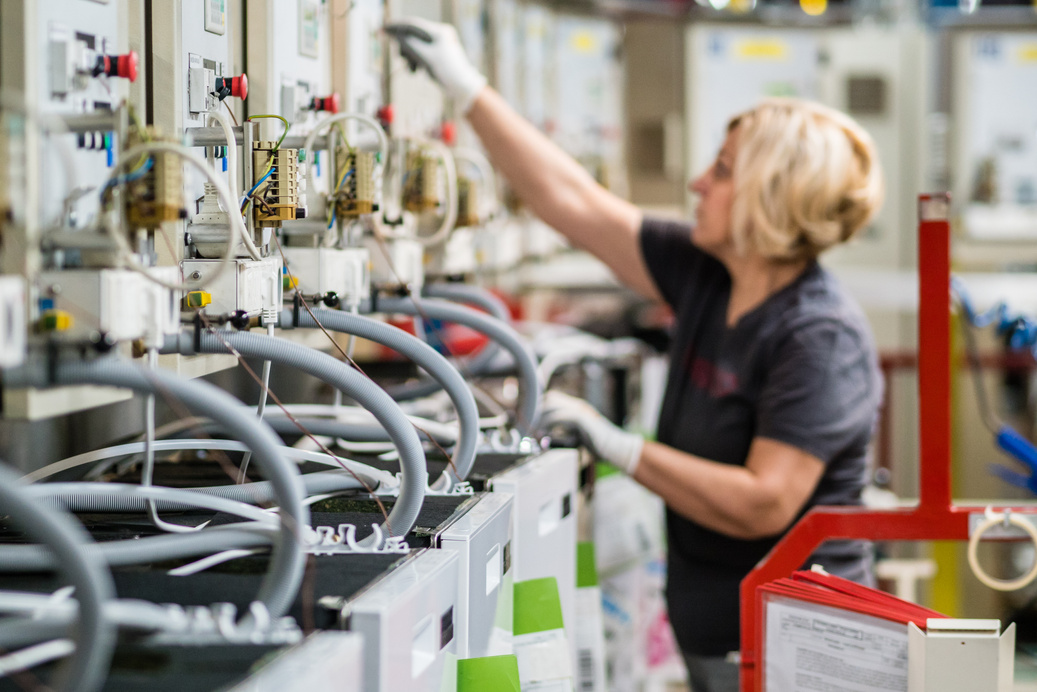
[[56, 321], [197, 299]]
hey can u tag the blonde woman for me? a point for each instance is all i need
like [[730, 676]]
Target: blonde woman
[[774, 385]]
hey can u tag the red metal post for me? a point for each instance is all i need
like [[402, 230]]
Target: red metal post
[[934, 352], [935, 518]]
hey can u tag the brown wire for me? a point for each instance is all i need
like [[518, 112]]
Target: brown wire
[[295, 421], [291, 280]]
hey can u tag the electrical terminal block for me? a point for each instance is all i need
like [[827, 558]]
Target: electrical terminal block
[[355, 174], [158, 195], [278, 196], [421, 190], [467, 202]]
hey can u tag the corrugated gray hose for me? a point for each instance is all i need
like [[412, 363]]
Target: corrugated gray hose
[[351, 383], [529, 384], [421, 353], [288, 561], [72, 549], [476, 365]]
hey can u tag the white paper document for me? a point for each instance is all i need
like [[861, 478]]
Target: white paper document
[[816, 648]]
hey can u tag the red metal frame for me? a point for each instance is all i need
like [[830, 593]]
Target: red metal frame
[[935, 517]]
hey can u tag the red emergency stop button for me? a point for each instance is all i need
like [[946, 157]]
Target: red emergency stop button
[[448, 132], [124, 66], [327, 103], [386, 115], [238, 85]]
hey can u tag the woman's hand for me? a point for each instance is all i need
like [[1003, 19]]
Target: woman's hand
[[437, 48], [605, 440]]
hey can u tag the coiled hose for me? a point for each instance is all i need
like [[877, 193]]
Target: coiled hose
[[71, 548], [347, 380], [280, 585], [502, 333], [423, 355], [478, 364]]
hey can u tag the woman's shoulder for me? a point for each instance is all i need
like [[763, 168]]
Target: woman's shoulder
[[818, 305]]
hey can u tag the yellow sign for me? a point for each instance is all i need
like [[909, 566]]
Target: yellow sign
[[764, 49], [815, 8], [584, 42], [1028, 53]]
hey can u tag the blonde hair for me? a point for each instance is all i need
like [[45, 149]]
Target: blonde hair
[[806, 177]]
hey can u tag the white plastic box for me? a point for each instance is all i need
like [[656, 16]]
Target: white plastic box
[[319, 270], [408, 622], [482, 540], [251, 285], [544, 523]]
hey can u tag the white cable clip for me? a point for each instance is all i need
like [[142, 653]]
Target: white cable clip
[[330, 541], [1005, 518]]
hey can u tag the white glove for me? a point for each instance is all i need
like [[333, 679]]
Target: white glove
[[437, 48], [605, 440]]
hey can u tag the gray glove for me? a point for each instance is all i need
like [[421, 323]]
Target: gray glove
[[437, 48]]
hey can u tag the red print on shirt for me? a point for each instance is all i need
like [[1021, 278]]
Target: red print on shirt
[[715, 380]]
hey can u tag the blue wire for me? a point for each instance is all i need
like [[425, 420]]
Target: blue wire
[[129, 178], [1021, 330], [261, 181], [344, 176]]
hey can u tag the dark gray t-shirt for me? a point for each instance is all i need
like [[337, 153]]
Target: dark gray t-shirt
[[801, 369]]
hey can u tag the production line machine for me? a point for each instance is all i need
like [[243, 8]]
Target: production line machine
[[366, 538]]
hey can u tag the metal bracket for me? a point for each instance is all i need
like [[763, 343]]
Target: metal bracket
[[1003, 531]]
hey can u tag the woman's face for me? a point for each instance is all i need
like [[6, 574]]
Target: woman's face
[[715, 188]]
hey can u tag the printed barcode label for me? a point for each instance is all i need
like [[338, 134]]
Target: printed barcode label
[[585, 677]]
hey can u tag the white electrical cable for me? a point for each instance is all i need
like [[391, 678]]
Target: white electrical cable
[[232, 145], [210, 561], [383, 143], [154, 492], [376, 476], [261, 408], [355, 414], [32, 656], [1005, 519], [147, 471], [486, 172], [238, 229]]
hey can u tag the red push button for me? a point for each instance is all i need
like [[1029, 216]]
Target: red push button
[[124, 66], [448, 133], [238, 85], [327, 103]]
